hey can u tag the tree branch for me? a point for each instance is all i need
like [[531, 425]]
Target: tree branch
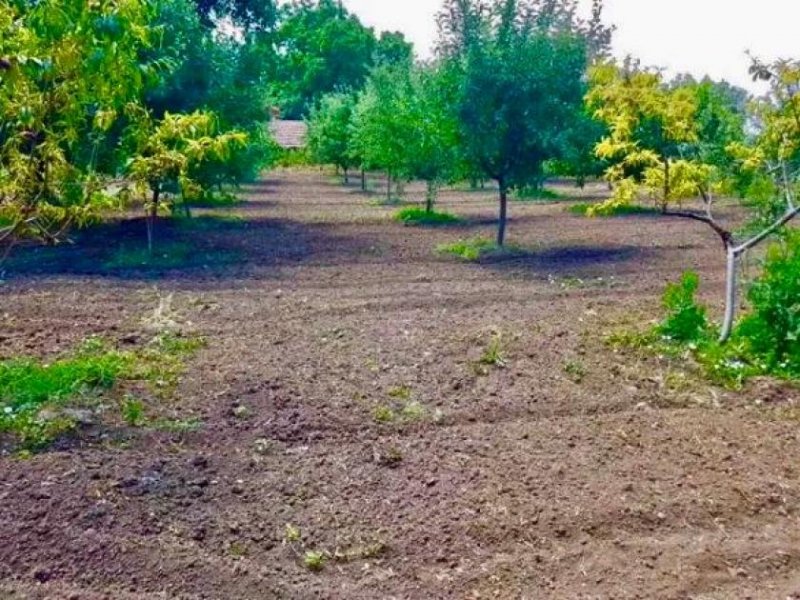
[[725, 235], [754, 241]]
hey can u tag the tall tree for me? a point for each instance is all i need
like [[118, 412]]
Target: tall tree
[[522, 66], [247, 14], [323, 48]]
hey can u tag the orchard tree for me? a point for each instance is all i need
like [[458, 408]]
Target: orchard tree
[[382, 129], [67, 70], [322, 49], [666, 151], [330, 132], [432, 154], [521, 66], [166, 154]]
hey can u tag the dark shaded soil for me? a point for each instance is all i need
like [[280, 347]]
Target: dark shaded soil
[[574, 471]]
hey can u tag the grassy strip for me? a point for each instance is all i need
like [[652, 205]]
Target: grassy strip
[[38, 399], [415, 215]]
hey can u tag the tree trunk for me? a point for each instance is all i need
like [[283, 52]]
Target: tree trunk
[[388, 187], [363, 180], [346, 176], [430, 197], [730, 294], [501, 229], [152, 215]]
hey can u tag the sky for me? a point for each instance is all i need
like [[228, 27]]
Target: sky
[[696, 36]]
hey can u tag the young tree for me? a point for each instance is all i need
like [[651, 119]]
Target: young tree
[[432, 154], [382, 133], [330, 132], [521, 66], [666, 143], [166, 154]]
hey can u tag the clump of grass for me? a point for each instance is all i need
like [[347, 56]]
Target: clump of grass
[[471, 249], [494, 353], [314, 560], [36, 395], [415, 215], [529, 194], [575, 370], [384, 414], [133, 412], [583, 209]]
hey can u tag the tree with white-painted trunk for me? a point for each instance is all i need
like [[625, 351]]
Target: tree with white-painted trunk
[[656, 143]]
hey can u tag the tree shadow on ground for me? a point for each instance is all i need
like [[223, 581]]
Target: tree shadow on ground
[[567, 260], [203, 247]]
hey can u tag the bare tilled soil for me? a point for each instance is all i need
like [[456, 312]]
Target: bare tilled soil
[[344, 409]]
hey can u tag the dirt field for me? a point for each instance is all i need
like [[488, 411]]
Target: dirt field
[[573, 471]]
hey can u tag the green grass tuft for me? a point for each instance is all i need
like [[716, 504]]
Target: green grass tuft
[[415, 215], [469, 249]]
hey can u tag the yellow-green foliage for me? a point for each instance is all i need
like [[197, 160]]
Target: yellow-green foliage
[[647, 122], [167, 151], [67, 68]]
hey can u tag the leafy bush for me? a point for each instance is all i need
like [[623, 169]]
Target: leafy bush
[[686, 320], [415, 215], [772, 329]]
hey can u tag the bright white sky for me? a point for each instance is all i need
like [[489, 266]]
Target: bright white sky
[[696, 36]]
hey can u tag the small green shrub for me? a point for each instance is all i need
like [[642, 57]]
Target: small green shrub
[[469, 249], [772, 329], [686, 320], [415, 215], [133, 412]]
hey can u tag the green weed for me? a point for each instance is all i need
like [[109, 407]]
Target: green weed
[[415, 215], [469, 249]]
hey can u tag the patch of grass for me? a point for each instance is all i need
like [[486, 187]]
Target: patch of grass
[[575, 370], [167, 255], [401, 392], [133, 412], [171, 254], [314, 560], [37, 396], [494, 353], [582, 210], [416, 215], [533, 194], [384, 414], [471, 249]]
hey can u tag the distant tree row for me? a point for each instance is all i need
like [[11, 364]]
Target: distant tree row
[[523, 89]]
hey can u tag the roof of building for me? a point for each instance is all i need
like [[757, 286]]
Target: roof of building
[[289, 134]]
